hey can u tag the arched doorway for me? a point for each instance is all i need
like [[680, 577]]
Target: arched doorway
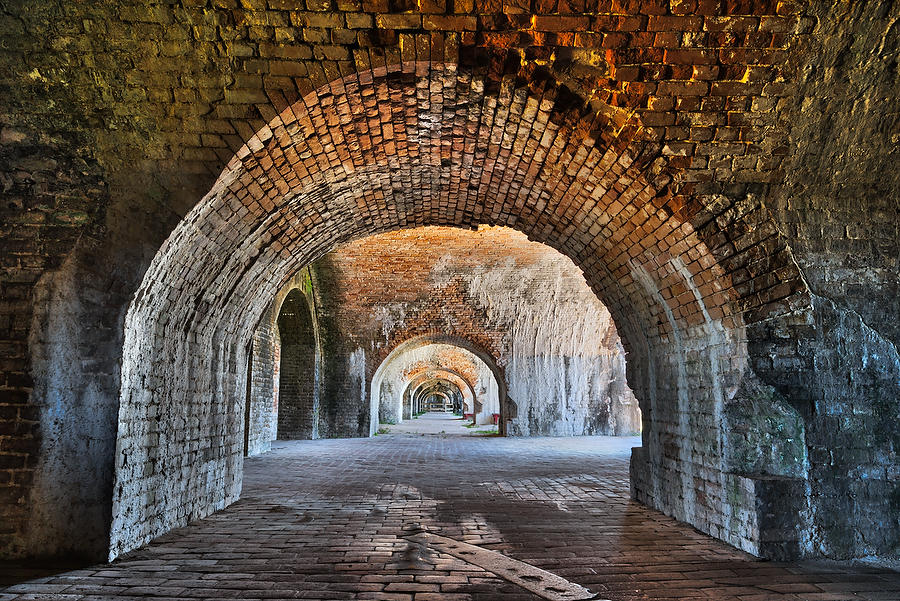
[[589, 188], [298, 400], [417, 379], [451, 364]]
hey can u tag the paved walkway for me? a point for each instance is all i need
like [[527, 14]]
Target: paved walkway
[[339, 519], [435, 423]]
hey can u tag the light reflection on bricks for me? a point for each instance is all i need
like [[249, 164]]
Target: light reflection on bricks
[[327, 520]]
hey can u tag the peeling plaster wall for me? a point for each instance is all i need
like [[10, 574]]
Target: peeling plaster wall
[[565, 364], [525, 303]]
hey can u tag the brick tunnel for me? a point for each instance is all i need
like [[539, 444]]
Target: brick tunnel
[[242, 232]]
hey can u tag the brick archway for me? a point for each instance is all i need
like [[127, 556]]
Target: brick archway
[[420, 144], [111, 135], [473, 353], [298, 395], [417, 378]]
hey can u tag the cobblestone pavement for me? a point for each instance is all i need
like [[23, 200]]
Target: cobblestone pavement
[[328, 520]]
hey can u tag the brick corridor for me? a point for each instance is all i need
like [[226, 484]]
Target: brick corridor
[[326, 520]]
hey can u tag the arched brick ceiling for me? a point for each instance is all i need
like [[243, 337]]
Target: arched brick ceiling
[[637, 137], [420, 144], [199, 78], [440, 385], [447, 362], [176, 89], [441, 144]]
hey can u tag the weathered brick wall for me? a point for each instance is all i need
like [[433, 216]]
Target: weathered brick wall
[[216, 275], [297, 397], [373, 294], [262, 425], [640, 138], [839, 206], [265, 389], [525, 304], [49, 198], [343, 385]]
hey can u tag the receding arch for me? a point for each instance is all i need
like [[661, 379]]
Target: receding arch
[[488, 377], [309, 180], [447, 392], [298, 398], [417, 378]]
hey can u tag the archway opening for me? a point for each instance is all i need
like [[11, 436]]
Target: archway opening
[[380, 142], [297, 399], [438, 396], [439, 374], [463, 394], [519, 153]]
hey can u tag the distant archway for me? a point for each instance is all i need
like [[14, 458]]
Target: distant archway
[[417, 379], [417, 362], [298, 399], [438, 395]]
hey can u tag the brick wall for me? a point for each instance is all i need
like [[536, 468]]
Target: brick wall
[[268, 348], [838, 365], [491, 288], [263, 395], [524, 304], [297, 397], [681, 304], [646, 140]]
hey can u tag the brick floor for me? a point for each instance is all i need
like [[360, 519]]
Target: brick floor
[[327, 519], [437, 423]]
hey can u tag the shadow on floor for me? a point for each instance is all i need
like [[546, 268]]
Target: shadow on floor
[[15, 572]]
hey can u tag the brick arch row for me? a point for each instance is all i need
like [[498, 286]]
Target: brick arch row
[[447, 389], [430, 144], [468, 366], [417, 379]]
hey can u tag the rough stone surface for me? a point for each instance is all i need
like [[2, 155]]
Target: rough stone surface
[[722, 172], [839, 207]]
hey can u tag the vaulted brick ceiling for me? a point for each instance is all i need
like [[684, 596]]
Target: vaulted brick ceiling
[[193, 155]]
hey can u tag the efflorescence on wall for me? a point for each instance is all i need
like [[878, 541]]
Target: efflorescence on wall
[[521, 305], [723, 172], [527, 305]]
